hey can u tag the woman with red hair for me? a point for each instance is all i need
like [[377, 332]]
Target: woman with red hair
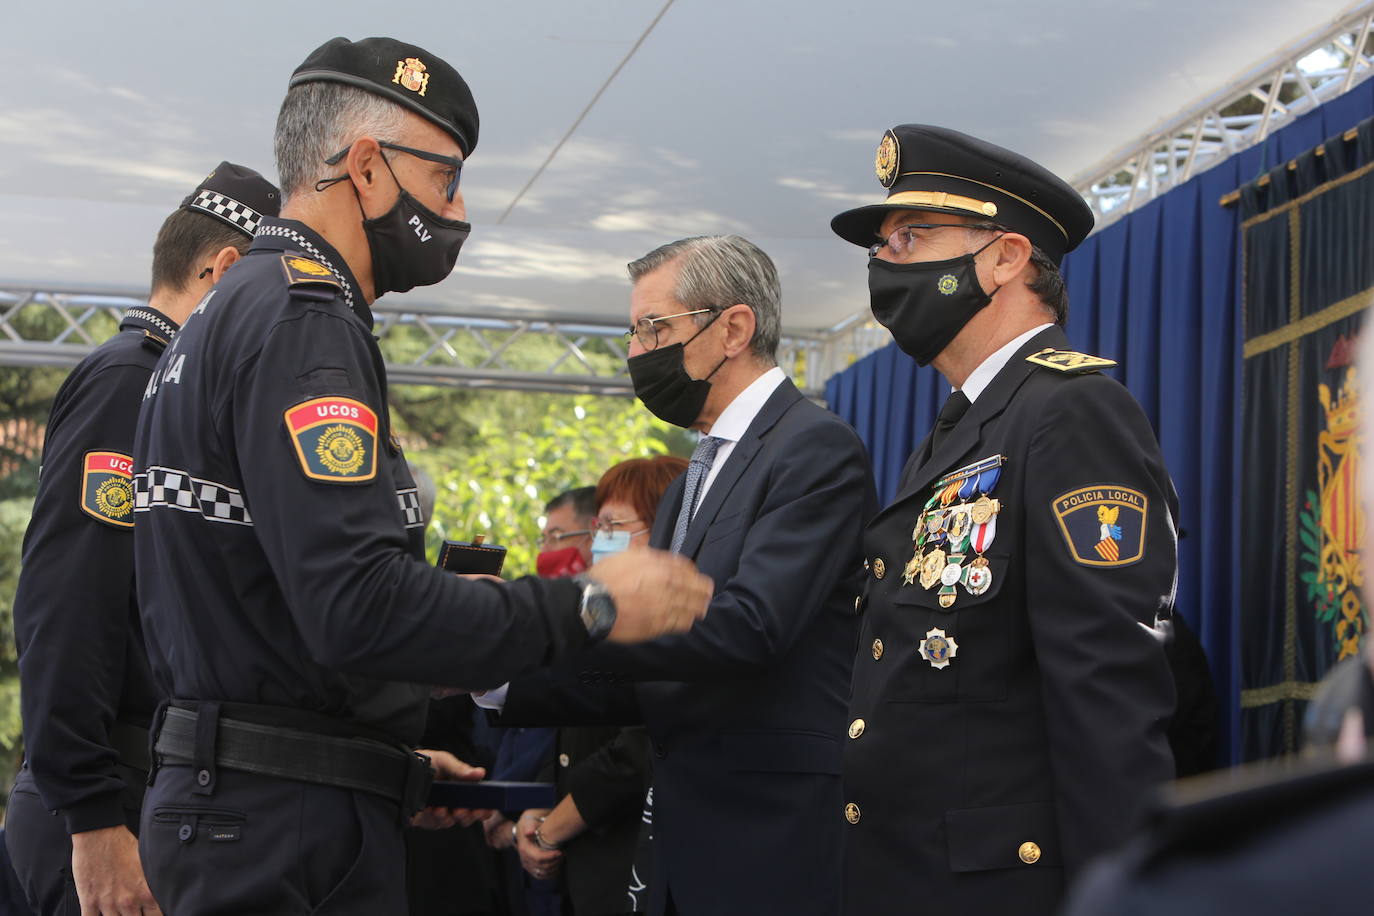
[[602, 773]]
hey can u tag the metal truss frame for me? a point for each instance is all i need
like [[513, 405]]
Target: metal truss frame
[[58, 328], [1238, 116]]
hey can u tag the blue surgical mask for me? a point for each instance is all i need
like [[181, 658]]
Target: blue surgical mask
[[608, 543]]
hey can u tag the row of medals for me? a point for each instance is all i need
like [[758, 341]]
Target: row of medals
[[943, 535]]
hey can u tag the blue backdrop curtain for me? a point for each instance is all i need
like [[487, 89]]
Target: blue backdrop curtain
[[1306, 280], [1159, 291]]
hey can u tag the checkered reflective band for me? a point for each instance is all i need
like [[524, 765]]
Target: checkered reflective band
[[153, 319], [169, 488], [410, 507], [305, 245], [226, 208]]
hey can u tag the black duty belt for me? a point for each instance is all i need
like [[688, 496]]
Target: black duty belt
[[360, 764]]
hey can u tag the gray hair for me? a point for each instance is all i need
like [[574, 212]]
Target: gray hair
[[1048, 284], [318, 119], [717, 271]]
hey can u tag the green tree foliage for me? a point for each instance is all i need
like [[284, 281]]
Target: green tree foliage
[[14, 518], [516, 451]]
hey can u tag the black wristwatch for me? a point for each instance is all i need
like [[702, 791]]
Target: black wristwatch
[[597, 609]]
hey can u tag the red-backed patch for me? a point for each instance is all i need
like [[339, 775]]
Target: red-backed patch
[[335, 439], [107, 489]]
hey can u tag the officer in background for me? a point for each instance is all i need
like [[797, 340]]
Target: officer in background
[[1010, 694], [86, 692], [289, 613]]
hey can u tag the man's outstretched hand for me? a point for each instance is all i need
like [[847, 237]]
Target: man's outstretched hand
[[655, 593]]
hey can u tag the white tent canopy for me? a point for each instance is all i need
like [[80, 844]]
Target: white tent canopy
[[608, 127]]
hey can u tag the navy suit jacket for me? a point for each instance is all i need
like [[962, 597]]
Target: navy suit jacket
[[747, 712]]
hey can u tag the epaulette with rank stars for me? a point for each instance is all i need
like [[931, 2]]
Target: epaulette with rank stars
[[1069, 361]]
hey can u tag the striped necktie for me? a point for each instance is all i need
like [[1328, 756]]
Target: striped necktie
[[697, 469]]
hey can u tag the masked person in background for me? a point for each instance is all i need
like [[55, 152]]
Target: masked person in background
[[590, 836], [569, 520]]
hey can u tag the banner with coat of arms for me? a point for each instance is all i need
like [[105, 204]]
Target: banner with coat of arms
[[1307, 230]]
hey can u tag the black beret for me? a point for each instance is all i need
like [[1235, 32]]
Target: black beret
[[407, 75], [236, 194], [935, 168]]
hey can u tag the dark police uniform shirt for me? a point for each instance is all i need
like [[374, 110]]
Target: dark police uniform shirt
[[82, 666], [280, 545], [975, 786]]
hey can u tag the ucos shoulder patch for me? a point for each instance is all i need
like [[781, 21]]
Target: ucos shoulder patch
[[1104, 525], [335, 439], [107, 489]]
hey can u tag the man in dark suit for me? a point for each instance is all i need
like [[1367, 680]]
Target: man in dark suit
[[1011, 693], [746, 718]]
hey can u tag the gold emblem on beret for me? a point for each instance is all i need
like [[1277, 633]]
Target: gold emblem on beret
[[306, 266], [411, 74], [886, 161]]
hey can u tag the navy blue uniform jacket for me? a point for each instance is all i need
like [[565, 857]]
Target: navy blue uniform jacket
[[82, 665], [976, 787], [280, 563], [746, 713]]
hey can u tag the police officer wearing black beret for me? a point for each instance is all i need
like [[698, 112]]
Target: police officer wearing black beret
[[1010, 693], [289, 613], [85, 689]]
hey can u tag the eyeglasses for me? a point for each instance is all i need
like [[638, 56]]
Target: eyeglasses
[[645, 330], [611, 525], [555, 536], [902, 241], [452, 162]]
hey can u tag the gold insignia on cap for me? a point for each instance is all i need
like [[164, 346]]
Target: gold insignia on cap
[[886, 161], [1029, 853], [411, 74]]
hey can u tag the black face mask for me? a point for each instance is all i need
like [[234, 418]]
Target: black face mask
[[925, 305], [661, 382], [411, 244]]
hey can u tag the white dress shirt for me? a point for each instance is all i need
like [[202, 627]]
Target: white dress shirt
[[987, 370]]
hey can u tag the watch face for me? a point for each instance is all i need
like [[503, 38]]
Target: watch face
[[598, 611]]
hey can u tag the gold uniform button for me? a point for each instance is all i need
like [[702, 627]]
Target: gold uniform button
[[879, 568], [851, 813], [877, 649], [856, 728], [1029, 853], [563, 760]]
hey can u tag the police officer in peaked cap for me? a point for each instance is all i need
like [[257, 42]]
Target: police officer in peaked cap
[[1011, 692], [289, 613], [85, 689]]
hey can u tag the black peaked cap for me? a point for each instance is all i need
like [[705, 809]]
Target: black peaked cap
[[934, 168]]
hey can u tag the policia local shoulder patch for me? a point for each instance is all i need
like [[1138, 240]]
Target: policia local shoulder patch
[[1103, 525], [107, 489], [335, 439]]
